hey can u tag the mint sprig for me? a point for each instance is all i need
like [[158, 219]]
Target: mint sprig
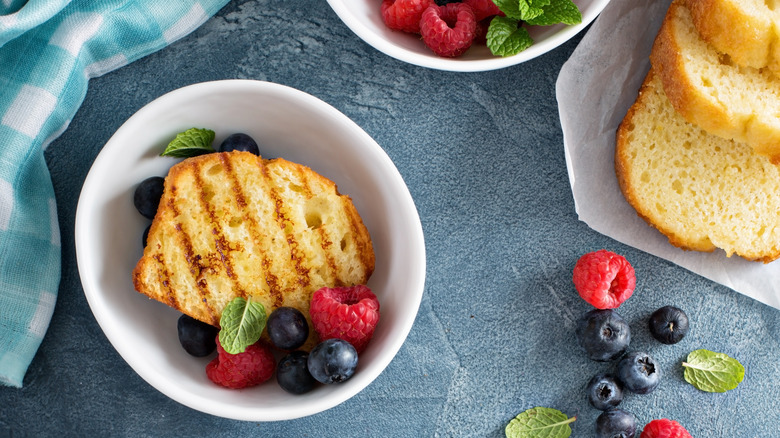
[[242, 322], [540, 422], [506, 40], [712, 372], [192, 142], [557, 11]]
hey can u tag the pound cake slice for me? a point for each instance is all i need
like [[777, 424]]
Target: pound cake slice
[[709, 90], [701, 191], [746, 30], [234, 224]]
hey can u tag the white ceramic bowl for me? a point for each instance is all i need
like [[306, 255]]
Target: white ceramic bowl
[[364, 18], [286, 123]]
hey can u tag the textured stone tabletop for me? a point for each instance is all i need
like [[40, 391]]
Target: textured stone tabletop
[[482, 154]]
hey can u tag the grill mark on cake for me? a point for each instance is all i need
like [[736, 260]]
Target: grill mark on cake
[[270, 278], [165, 276], [325, 243], [221, 246], [255, 231], [194, 262], [301, 267], [301, 271], [235, 186], [327, 246], [170, 297], [362, 247]]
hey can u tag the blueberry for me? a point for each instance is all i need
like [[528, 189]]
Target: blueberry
[[603, 334], [615, 423], [239, 142], [605, 392], [669, 324], [197, 338], [639, 372], [333, 361], [293, 374], [147, 196], [145, 235], [287, 328]]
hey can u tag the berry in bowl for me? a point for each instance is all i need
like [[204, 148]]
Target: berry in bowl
[[466, 35], [202, 267]]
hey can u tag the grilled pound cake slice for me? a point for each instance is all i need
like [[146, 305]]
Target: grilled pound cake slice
[[709, 90], [699, 190], [746, 30], [233, 224]]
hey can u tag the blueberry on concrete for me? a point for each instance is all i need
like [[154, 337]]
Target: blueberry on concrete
[[615, 423], [639, 372], [603, 334], [669, 324], [605, 391], [197, 338]]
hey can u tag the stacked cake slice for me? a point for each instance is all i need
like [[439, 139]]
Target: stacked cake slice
[[695, 153]]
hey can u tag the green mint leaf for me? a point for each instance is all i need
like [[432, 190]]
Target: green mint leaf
[[510, 7], [192, 142], [558, 11], [506, 38], [540, 423], [712, 372], [242, 322], [529, 9]]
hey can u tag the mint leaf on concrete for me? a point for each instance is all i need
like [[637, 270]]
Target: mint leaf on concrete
[[712, 372], [540, 422]]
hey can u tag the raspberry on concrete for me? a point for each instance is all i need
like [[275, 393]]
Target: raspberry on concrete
[[448, 30], [348, 313], [664, 428], [250, 368], [404, 15], [604, 279]]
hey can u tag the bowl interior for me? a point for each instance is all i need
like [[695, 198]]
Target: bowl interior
[[286, 123], [363, 18]]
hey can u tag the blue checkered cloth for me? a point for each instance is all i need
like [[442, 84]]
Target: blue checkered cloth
[[48, 51]]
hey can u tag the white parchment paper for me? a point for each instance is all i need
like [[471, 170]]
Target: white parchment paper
[[595, 88]]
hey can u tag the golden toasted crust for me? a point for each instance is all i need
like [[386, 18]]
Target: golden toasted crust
[[746, 30], [710, 91], [625, 171], [699, 190], [235, 225]]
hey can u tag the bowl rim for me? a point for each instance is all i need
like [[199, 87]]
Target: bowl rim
[[87, 203], [342, 9]]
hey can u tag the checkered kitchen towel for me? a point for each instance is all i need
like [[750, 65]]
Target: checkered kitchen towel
[[48, 51]]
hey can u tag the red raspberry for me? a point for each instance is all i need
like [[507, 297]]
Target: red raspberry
[[252, 367], [604, 279], [448, 30], [348, 313], [404, 15], [483, 8], [480, 35], [664, 428]]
